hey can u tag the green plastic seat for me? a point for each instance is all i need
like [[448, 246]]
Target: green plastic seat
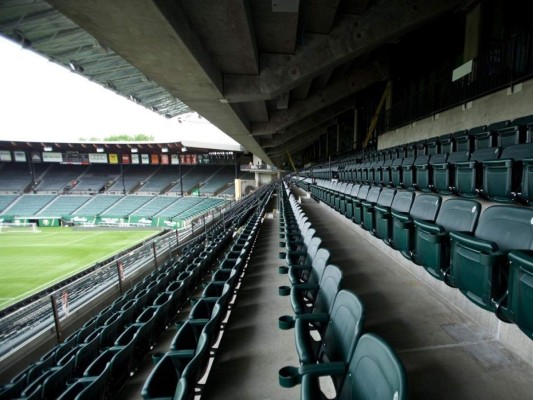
[[425, 208], [348, 212], [502, 178], [344, 198], [301, 273], [518, 305], [384, 173], [357, 204], [343, 328], [374, 372], [408, 173], [446, 144], [468, 174], [318, 294], [479, 261], [422, 170], [382, 213], [443, 170], [463, 139], [171, 367], [367, 221], [396, 172], [433, 240]]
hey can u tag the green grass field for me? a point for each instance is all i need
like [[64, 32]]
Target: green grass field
[[30, 262]]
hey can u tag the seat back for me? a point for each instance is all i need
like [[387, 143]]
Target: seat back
[[425, 207], [432, 146], [446, 143], [344, 328], [386, 197], [375, 372], [329, 286], [502, 178], [373, 194], [396, 171], [491, 153], [510, 227], [463, 140], [402, 201], [520, 301], [459, 215], [363, 192]]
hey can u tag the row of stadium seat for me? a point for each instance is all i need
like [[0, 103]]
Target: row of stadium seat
[[488, 173], [177, 371], [15, 177], [343, 352], [486, 254], [29, 205], [499, 134], [96, 360]]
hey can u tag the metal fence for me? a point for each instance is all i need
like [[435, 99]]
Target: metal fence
[[30, 320]]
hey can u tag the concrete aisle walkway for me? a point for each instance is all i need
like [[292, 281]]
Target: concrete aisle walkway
[[253, 348], [446, 355]]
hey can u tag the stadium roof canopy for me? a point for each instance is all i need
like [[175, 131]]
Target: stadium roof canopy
[[269, 73], [116, 147]]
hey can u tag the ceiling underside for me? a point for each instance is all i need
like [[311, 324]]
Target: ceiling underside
[[272, 74]]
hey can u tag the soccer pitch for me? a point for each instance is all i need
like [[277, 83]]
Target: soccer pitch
[[30, 262]]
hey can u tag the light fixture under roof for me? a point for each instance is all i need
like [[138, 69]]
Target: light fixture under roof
[[164, 150], [134, 150], [47, 148], [99, 149], [184, 149]]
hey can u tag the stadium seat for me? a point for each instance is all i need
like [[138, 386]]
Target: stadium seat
[[479, 262], [422, 174], [408, 173], [432, 239], [443, 170], [336, 345], [425, 208], [468, 174], [384, 173], [374, 372], [348, 207], [301, 273], [162, 382], [383, 218], [446, 144], [357, 204], [432, 146], [502, 178], [518, 304], [396, 172], [318, 293], [344, 326], [463, 139], [367, 221]]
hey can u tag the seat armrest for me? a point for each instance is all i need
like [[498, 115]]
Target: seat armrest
[[305, 286], [429, 227], [507, 162], [313, 317], [473, 242], [323, 369], [403, 217]]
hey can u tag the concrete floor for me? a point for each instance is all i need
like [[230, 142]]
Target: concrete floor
[[446, 354]]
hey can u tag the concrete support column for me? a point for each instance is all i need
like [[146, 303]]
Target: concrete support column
[[355, 129], [472, 33], [338, 138]]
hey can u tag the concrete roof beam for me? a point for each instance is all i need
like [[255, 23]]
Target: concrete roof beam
[[336, 91], [350, 38]]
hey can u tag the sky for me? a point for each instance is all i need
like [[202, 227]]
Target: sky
[[43, 101]]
